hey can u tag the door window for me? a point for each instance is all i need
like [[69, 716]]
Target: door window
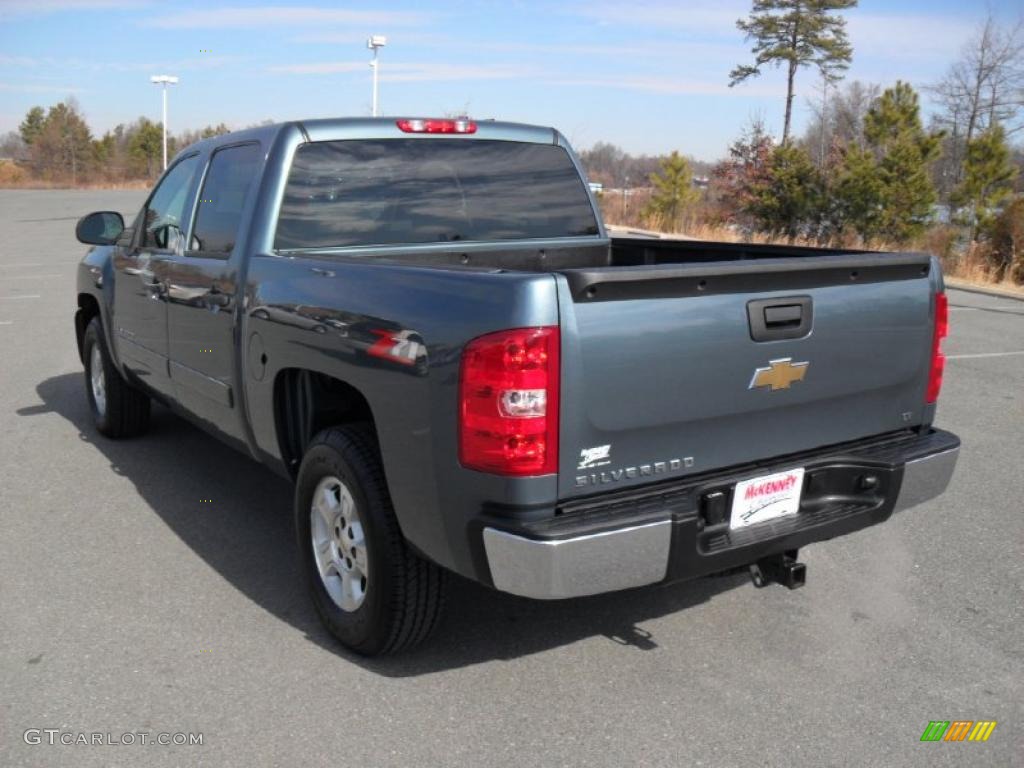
[[226, 188], [166, 208]]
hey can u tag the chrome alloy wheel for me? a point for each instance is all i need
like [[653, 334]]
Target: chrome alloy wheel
[[97, 381], [339, 544]]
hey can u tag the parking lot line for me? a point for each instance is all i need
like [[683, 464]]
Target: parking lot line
[[985, 354], [997, 308], [24, 296], [29, 277]]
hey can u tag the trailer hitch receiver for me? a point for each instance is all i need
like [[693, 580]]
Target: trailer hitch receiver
[[779, 569]]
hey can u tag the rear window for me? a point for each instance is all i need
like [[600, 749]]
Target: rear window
[[400, 191]]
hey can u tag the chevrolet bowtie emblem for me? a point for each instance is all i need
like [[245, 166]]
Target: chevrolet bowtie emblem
[[779, 374]]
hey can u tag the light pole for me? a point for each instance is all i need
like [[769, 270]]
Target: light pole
[[164, 80], [375, 43]]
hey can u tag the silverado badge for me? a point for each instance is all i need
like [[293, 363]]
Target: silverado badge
[[779, 374]]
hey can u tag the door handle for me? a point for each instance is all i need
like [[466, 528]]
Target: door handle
[[788, 317], [787, 314]]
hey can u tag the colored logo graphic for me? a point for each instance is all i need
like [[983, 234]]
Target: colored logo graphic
[[958, 730], [779, 374], [398, 347]]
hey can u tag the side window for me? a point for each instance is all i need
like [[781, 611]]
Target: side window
[[166, 208], [225, 190]]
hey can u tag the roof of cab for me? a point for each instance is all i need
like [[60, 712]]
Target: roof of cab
[[387, 127], [340, 128]]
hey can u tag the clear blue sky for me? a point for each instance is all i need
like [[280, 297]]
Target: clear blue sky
[[649, 76]]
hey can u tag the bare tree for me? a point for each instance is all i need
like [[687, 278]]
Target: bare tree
[[850, 107], [819, 134], [838, 119], [983, 88], [12, 147], [986, 85]]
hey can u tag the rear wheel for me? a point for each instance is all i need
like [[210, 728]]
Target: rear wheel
[[118, 409], [371, 591]]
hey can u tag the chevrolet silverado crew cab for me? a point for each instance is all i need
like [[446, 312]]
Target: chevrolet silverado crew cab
[[424, 324]]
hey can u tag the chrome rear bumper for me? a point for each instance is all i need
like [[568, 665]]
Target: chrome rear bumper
[[585, 565], [926, 477], [636, 555]]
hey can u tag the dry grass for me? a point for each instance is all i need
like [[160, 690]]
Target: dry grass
[[55, 184], [13, 176], [1006, 286], [974, 267]]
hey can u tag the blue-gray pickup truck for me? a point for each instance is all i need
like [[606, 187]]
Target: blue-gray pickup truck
[[424, 324]]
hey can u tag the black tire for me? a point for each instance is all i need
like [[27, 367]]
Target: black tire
[[404, 594], [125, 412]]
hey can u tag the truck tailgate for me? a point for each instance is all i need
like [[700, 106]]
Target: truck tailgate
[[669, 370]]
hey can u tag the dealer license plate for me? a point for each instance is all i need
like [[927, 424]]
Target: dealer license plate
[[766, 498]]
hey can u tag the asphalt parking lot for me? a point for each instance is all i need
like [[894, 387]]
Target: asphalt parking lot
[[130, 606]]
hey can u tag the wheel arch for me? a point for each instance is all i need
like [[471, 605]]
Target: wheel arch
[[88, 308], [307, 401]]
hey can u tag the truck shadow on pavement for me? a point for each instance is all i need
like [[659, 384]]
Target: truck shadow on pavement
[[244, 532]]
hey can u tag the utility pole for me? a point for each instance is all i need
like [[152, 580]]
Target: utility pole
[[164, 80], [375, 43]]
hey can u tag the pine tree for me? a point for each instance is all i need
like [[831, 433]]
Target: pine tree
[[673, 192], [796, 33], [788, 201], [145, 145], [32, 125], [903, 153], [103, 149], [63, 147], [988, 178], [857, 195]]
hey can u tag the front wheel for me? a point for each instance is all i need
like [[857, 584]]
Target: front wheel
[[371, 591], [118, 409]]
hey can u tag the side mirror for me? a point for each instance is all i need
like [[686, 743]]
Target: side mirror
[[100, 228]]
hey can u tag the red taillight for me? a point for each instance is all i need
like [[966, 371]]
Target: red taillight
[[430, 125], [508, 402], [938, 359]]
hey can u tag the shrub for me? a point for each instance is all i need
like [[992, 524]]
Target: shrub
[[10, 174], [1006, 242]]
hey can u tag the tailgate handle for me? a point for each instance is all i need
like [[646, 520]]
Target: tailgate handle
[[784, 315], [788, 317]]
